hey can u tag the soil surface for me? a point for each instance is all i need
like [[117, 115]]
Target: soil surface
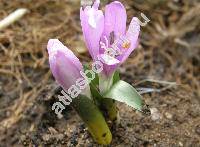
[[166, 60]]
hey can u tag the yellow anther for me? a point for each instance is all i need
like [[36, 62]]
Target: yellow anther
[[126, 45]]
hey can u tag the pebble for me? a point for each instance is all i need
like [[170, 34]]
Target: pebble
[[23, 138], [46, 137], [197, 129], [180, 143], [155, 115], [59, 136], [168, 115], [126, 141]]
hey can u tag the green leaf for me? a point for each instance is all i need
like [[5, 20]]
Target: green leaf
[[95, 93], [85, 67], [94, 86], [124, 92], [116, 77], [95, 81]]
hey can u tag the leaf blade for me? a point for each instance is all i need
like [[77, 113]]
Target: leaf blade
[[125, 93]]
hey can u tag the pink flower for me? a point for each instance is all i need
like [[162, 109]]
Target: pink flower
[[105, 33], [65, 66]]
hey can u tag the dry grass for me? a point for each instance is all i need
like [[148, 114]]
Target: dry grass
[[169, 49]]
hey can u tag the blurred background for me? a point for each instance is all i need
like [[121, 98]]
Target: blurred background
[[166, 62]]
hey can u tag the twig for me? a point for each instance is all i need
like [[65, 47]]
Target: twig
[[156, 81], [150, 90], [11, 18]]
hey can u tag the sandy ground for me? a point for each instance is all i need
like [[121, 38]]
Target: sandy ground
[[169, 50]]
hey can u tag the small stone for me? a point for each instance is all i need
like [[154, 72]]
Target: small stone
[[52, 130], [180, 143], [126, 141], [46, 137], [23, 138], [155, 115], [197, 129], [63, 142], [59, 136], [168, 115]]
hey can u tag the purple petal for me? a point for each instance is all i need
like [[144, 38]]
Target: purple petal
[[65, 66], [109, 64], [92, 22], [108, 70], [115, 19], [96, 4], [108, 59], [131, 35]]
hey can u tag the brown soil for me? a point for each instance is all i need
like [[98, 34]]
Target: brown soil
[[169, 51]]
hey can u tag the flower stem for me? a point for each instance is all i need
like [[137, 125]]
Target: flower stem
[[93, 118], [107, 105]]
